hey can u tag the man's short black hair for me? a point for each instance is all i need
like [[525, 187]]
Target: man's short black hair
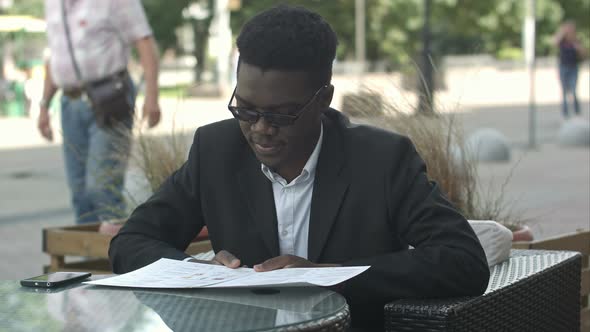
[[289, 38]]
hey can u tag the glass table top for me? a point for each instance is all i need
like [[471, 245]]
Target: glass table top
[[92, 308]]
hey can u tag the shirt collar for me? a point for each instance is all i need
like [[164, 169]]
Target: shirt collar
[[309, 168]]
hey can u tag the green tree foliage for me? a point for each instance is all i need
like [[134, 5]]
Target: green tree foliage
[[25, 7], [394, 26], [165, 17], [340, 14], [579, 11], [458, 26]]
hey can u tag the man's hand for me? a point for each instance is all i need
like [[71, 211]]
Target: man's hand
[[44, 125], [290, 261], [285, 262], [224, 258], [151, 112]]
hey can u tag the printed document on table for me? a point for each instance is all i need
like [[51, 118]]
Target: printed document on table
[[169, 273]]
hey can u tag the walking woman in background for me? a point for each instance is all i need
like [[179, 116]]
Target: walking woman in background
[[571, 53]]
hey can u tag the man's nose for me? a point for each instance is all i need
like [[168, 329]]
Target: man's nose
[[262, 126]]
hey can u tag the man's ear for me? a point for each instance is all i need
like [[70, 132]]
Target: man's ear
[[326, 97]]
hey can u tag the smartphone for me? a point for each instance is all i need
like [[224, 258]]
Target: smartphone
[[55, 279]]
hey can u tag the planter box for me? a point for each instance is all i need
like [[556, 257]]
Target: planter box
[[85, 241], [580, 242]]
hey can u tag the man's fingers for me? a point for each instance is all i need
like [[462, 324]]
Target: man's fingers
[[221, 258], [271, 264], [152, 115], [49, 134], [44, 126], [194, 260], [283, 262], [226, 258], [46, 132], [154, 118]]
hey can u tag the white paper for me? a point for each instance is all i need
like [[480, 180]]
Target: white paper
[[168, 273]]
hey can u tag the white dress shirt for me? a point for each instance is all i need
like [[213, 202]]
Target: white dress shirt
[[293, 204], [102, 32]]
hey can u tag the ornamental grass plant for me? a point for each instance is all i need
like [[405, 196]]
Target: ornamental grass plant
[[440, 141]]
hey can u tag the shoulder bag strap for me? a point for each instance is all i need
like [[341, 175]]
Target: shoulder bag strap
[[64, 16]]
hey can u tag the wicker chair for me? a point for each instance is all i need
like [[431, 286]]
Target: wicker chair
[[534, 290]]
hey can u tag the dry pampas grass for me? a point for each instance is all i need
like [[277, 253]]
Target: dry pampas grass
[[439, 139]]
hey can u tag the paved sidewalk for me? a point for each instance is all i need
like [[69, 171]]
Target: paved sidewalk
[[551, 185]]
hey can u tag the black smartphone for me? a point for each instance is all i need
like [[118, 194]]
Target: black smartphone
[[55, 279]]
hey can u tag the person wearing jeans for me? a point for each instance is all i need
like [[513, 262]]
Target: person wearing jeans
[[568, 76], [570, 53], [95, 160], [90, 41]]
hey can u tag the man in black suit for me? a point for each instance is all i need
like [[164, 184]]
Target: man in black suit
[[291, 182]]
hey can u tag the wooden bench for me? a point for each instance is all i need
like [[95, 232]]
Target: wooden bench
[[64, 243]]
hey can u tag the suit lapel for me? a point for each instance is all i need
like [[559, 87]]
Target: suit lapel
[[330, 185], [256, 190]]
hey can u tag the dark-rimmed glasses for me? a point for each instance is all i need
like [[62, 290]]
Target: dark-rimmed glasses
[[273, 118]]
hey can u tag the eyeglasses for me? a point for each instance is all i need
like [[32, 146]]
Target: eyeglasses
[[275, 119]]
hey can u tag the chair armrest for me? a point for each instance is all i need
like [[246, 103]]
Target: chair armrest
[[534, 290]]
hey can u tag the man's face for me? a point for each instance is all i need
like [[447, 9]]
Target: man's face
[[284, 149]]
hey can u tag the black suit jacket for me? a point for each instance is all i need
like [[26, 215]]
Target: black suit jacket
[[371, 199]]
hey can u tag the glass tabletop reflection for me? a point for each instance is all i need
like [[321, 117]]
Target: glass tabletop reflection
[[94, 308]]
